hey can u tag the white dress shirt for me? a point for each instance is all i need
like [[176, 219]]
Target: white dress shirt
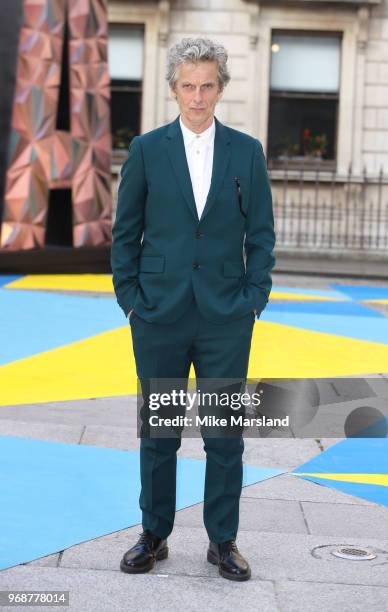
[[199, 154]]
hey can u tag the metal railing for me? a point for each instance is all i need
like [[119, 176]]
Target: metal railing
[[318, 209]]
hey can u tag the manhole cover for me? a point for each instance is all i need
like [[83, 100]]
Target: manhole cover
[[354, 554], [350, 551]]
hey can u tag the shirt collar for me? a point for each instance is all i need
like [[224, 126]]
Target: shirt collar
[[205, 137]]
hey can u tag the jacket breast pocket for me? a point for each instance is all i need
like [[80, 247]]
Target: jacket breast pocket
[[234, 195], [152, 263], [234, 269]]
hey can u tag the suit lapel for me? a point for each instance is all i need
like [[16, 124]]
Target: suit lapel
[[177, 155]]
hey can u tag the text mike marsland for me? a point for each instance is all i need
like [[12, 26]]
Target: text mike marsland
[[212, 421]]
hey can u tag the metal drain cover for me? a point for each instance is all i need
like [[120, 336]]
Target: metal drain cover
[[354, 554]]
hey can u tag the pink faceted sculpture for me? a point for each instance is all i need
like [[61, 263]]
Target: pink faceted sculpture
[[41, 157]]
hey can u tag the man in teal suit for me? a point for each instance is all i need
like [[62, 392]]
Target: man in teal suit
[[194, 198]]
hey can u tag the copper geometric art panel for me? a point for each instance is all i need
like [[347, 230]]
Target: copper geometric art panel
[[42, 157]]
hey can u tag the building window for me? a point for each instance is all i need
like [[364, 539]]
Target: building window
[[125, 57], [304, 95]]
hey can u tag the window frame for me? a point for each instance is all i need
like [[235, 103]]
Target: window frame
[[148, 17], [326, 164], [120, 154], [349, 124]]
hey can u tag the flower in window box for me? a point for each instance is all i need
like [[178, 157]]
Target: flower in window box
[[306, 135], [314, 146], [287, 148]]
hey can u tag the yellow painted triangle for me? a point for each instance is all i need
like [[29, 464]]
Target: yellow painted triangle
[[100, 366], [377, 301], [297, 297], [70, 282], [103, 365], [283, 351], [375, 479]]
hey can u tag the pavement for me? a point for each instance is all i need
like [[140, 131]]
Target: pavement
[[352, 264], [288, 529]]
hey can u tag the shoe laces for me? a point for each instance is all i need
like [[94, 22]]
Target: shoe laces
[[146, 539], [229, 546]]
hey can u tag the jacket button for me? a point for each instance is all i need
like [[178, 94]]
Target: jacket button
[[196, 266], [199, 235]]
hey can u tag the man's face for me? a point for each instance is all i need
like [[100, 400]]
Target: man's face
[[197, 92]]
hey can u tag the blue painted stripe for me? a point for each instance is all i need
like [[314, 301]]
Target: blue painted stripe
[[9, 278], [373, 493], [370, 328], [36, 321], [362, 292], [351, 456], [347, 308], [56, 495]]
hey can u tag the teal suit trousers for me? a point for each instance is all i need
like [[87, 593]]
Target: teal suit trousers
[[217, 351]]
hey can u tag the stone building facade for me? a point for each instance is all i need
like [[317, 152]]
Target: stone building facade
[[347, 39]]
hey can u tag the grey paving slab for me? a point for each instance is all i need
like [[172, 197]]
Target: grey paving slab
[[279, 453], [328, 442], [106, 591], [192, 447], [327, 391], [379, 385], [346, 389], [255, 514], [345, 520], [288, 261], [291, 487], [48, 561], [110, 411], [187, 547], [104, 553], [70, 434], [300, 557], [262, 452], [325, 597], [329, 421], [120, 410], [120, 438], [352, 388], [272, 556]]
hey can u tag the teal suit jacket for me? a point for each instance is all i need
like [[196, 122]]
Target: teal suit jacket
[[162, 254]]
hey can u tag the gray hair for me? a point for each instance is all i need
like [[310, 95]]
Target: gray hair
[[196, 50]]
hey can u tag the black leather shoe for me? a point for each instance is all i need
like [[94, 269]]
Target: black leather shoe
[[141, 557], [231, 564]]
